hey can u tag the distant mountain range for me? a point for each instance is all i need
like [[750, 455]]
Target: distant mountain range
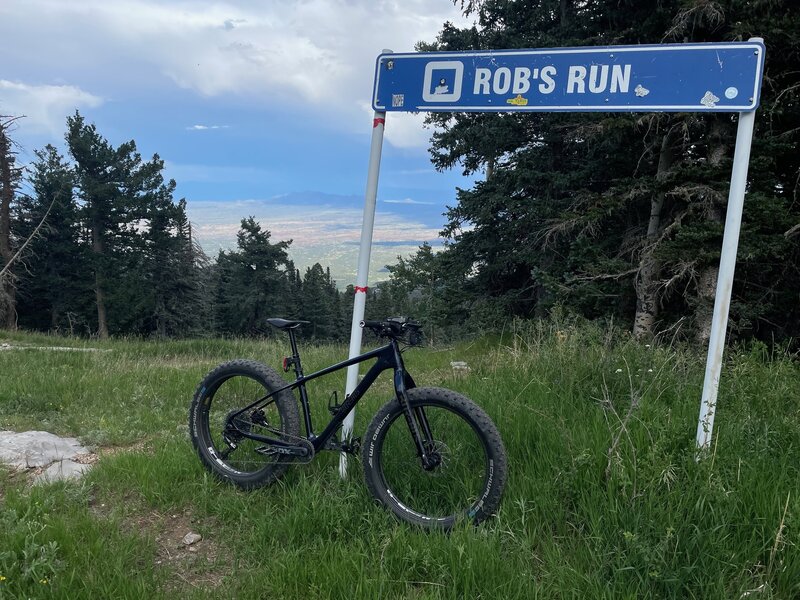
[[324, 228]]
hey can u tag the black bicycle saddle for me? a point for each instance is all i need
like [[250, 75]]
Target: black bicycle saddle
[[286, 324]]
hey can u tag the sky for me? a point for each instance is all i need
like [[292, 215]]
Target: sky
[[257, 108]]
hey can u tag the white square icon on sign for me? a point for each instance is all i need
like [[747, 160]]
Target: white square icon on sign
[[443, 81]]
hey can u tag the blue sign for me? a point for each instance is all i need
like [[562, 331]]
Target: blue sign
[[723, 77]]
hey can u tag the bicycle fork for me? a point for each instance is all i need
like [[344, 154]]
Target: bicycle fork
[[417, 421]]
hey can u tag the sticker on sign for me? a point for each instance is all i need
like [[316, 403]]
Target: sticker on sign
[[724, 77]]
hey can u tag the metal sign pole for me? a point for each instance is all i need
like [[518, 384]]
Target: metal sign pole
[[727, 264], [370, 199]]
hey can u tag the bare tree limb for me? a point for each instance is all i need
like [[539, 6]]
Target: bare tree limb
[[603, 276], [31, 237]]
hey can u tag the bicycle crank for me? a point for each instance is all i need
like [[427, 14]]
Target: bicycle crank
[[301, 453]]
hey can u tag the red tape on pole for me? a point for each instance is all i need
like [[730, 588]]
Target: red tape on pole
[[378, 121], [361, 289]]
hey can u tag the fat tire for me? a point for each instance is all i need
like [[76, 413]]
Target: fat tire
[[391, 414], [200, 435]]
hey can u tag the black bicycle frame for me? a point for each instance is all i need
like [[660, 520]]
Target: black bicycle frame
[[388, 357]]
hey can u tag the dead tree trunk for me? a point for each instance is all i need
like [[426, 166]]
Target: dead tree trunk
[[646, 280], [8, 292], [98, 248]]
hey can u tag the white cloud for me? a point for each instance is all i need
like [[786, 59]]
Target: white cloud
[[44, 106], [206, 127], [405, 130], [315, 53]]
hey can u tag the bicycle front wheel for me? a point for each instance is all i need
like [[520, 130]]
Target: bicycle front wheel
[[466, 478]]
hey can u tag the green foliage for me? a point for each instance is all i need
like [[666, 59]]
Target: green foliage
[[29, 558], [258, 281], [418, 287], [135, 234], [172, 302], [10, 180]]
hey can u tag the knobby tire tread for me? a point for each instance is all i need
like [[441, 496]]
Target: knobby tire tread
[[459, 404], [285, 402]]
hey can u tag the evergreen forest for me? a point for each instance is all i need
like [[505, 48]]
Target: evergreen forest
[[609, 216]]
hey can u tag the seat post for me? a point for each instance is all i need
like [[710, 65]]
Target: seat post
[[298, 371], [293, 342], [298, 368]]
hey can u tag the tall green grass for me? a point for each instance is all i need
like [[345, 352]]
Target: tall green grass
[[604, 500]]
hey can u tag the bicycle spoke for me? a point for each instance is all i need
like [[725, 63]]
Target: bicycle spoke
[[451, 485], [224, 421]]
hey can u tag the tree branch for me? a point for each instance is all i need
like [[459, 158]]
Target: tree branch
[[603, 276], [29, 240]]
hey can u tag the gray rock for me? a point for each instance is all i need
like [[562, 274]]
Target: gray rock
[[61, 470], [192, 538], [37, 448], [460, 368]]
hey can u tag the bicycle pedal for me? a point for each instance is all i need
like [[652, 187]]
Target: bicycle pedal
[[351, 446]]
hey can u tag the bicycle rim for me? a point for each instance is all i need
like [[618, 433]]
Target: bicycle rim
[[223, 428], [455, 485]]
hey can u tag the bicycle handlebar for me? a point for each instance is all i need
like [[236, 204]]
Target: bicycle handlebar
[[371, 324], [395, 328]]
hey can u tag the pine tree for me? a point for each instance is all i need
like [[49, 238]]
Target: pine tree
[[193, 315], [99, 179], [121, 196], [55, 285], [318, 304], [166, 267], [252, 282]]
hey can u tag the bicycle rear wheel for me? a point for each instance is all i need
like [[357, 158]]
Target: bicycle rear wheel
[[469, 474], [216, 427]]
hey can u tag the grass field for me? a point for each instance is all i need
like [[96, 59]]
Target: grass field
[[604, 498]]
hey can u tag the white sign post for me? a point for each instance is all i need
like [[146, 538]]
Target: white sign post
[[727, 264], [370, 200]]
